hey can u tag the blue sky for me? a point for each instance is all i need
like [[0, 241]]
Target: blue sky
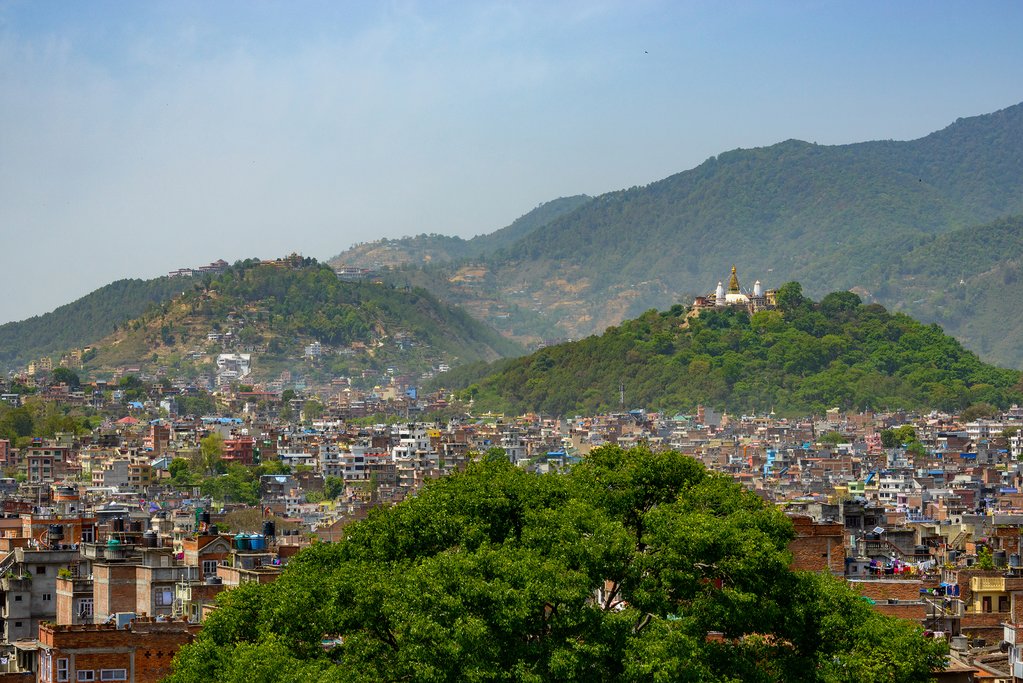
[[139, 137]]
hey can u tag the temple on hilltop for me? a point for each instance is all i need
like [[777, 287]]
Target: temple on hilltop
[[753, 300]]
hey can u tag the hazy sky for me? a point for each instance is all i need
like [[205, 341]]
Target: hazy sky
[[139, 137]]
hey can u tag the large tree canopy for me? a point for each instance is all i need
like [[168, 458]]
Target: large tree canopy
[[618, 570]]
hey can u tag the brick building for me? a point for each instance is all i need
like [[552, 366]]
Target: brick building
[[818, 546], [138, 650], [239, 450], [894, 597]]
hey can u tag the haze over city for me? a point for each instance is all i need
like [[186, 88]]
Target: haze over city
[[138, 138]]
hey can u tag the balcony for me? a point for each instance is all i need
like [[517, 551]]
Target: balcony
[[987, 584]]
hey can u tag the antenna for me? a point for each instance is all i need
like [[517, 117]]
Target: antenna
[[621, 394]]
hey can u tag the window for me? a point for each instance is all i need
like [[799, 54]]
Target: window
[[86, 675], [62, 669], [17, 624], [17, 598], [47, 597], [84, 607], [113, 675], [164, 597], [40, 569], [209, 567]]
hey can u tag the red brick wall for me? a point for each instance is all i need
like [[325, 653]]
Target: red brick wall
[[817, 547], [65, 601], [888, 590], [114, 589], [987, 626]]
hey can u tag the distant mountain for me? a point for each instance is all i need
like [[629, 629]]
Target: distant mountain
[[833, 217], [807, 357], [84, 321], [275, 310], [424, 249]]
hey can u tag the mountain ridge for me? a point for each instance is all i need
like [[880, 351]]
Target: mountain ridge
[[831, 216]]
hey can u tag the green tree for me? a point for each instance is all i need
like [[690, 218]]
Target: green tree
[[16, 422], [237, 485], [614, 571], [181, 472], [985, 558], [832, 438], [900, 436], [790, 297], [333, 487], [66, 376], [312, 410], [978, 411], [211, 450]]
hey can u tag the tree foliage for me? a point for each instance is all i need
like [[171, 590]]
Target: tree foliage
[[616, 571]]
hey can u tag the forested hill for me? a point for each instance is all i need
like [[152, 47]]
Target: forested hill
[[806, 357], [84, 321], [434, 248], [274, 310], [832, 217], [970, 281]]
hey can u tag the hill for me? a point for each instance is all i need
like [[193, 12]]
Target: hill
[[968, 281], [806, 357], [434, 248], [833, 217], [275, 310], [84, 321]]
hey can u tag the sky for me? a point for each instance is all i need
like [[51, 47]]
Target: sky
[[141, 137]]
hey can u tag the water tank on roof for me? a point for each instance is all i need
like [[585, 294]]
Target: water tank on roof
[[113, 542], [257, 542], [204, 517], [241, 542], [56, 533], [150, 539], [269, 529], [214, 530]]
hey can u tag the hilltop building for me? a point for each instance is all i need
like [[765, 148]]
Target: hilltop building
[[753, 300]]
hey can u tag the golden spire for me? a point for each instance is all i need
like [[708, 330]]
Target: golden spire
[[733, 283]]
